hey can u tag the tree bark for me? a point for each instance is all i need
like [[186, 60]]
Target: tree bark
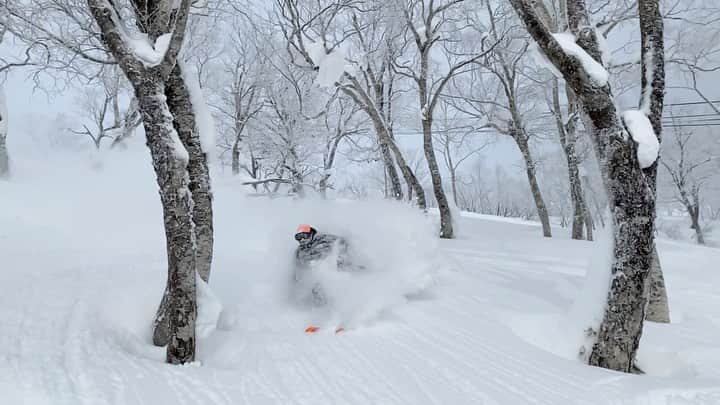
[[395, 186], [453, 182], [4, 155], [521, 140], [578, 223], [652, 98], [410, 179], [169, 156], [446, 225], [657, 309], [173, 180], [178, 100], [589, 223], [568, 138], [630, 192], [236, 157], [694, 210], [4, 158], [633, 215]]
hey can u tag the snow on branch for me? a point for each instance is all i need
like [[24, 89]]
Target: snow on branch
[[331, 66], [138, 44], [203, 118], [150, 55], [595, 70], [641, 130]]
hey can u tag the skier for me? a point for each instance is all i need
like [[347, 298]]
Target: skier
[[313, 248]]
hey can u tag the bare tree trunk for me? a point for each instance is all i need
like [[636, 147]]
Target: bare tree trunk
[[521, 140], [657, 309], [178, 99], [410, 179], [568, 138], [172, 177], [453, 182], [589, 225], [578, 223], [170, 158], [446, 226], [395, 186], [236, 157], [652, 83], [453, 171], [581, 214], [695, 218], [323, 185], [4, 158], [633, 217], [4, 155], [630, 190]]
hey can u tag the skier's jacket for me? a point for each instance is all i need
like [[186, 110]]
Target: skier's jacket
[[320, 248], [316, 250]]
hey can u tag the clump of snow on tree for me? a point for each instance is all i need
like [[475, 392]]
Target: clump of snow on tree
[[203, 118], [593, 68], [150, 54], [331, 66], [641, 130], [178, 148]]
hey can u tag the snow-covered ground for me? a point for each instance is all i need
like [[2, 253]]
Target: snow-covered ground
[[468, 321]]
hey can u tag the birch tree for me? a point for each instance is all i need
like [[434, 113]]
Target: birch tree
[[457, 144], [4, 128], [4, 156], [567, 125], [626, 145], [687, 167], [153, 73], [507, 114], [429, 25], [309, 29]]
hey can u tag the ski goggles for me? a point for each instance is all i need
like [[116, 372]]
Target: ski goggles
[[303, 236]]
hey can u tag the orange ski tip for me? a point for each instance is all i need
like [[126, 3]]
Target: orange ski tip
[[339, 330], [311, 329]]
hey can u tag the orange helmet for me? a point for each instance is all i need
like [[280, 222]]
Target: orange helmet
[[304, 233]]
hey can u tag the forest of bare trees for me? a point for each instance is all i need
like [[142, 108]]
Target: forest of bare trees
[[572, 113]]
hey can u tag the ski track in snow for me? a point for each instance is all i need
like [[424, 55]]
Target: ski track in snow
[[64, 342]]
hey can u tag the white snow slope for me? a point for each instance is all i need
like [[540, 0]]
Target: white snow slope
[[82, 269]]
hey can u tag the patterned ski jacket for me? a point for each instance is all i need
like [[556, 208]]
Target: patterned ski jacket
[[319, 248]]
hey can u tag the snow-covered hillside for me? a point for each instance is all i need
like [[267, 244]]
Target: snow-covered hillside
[[468, 321]]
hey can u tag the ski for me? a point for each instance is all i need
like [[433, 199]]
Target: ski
[[314, 329]]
